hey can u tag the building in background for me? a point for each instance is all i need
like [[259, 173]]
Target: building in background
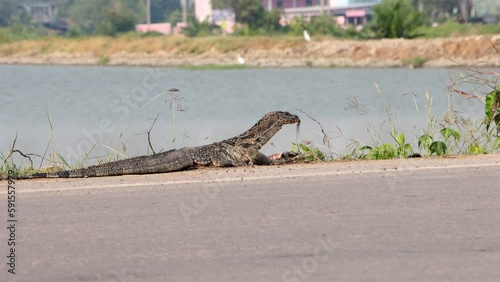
[[41, 11], [44, 12], [203, 10], [355, 12]]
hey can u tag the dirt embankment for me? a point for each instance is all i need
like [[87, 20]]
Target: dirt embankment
[[263, 52]]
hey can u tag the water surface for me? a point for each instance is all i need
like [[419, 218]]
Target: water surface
[[108, 105]]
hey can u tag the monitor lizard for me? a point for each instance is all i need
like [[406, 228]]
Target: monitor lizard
[[237, 151]]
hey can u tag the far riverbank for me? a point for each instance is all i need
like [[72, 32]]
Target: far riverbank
[[257, 51]]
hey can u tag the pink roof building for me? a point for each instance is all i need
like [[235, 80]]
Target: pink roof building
[[164, 28]]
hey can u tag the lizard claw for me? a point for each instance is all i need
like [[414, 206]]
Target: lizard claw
[[284, 157]]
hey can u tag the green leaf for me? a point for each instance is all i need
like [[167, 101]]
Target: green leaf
[[496, 144], [383, 152], [408, 148], [319, 154], [304, 148], [424, 141], [438, 147], [400, 138], [490, 101], [447, 132], [404, 151], [496, 118], [476, 149], [490, 107], [300, 146]]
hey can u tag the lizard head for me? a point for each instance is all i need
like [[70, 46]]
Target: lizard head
[[266, 128], [281, 118]]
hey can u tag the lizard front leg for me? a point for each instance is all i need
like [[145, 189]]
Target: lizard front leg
[[258, 158]]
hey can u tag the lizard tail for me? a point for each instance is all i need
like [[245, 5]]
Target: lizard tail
[[59, 174]]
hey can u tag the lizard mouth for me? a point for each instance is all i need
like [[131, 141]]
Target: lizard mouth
[[286, 118], [292, 118]]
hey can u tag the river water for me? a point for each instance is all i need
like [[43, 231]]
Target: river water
[[113, 107]]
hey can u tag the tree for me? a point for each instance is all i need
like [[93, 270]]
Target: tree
[[161, 10], [86, 13], [442, 9], [135, 8], [249, 12], [7, 11], [114, 23], [271, 21], [197, 28], [90, 15], [396, 19], [175, 17]]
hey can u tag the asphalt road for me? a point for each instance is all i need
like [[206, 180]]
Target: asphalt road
[[415, 220]]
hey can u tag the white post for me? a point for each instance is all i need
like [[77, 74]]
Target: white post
[[148, 12], [184, 12]]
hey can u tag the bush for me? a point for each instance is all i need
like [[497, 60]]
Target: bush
[[197, 28], [396, 19], [114, 23], [75, 32], [151, 34], [250, 13], [298, 25], [20, 32], [271, 21], [325, 25]]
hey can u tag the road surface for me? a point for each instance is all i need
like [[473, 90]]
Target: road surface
[[402, 220]]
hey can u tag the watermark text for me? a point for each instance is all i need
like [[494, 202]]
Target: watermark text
[[11, 222]]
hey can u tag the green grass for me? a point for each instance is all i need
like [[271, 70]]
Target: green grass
[[104, 60], [416, 62], [19, 33], [445, 134], [453, 28]]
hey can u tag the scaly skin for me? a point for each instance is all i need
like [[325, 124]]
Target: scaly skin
[[237, 151]]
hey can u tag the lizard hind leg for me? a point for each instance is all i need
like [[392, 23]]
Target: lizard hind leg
[[222, 159]]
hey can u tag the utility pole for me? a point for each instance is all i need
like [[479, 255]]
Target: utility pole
[[148, 12], [322, 4], [466, 6], [184, 12]]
